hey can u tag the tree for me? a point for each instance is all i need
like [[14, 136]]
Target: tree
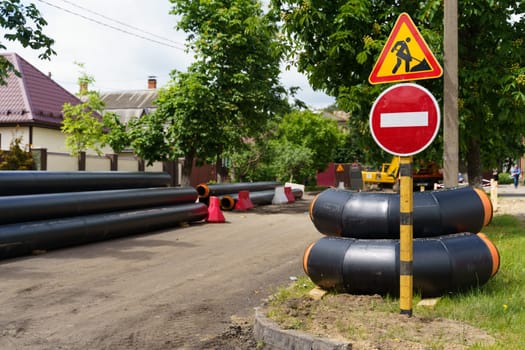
[[87, 126], [335, 43], [297, 147], [314, 132], [230, 92], [292, 162], [23, 24]]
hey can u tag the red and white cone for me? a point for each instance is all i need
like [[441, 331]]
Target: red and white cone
[[279, 196]]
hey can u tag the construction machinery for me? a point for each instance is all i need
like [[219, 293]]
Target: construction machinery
[[425, 175], [386, 177]]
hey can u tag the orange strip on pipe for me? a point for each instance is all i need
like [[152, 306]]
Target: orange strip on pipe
[[312, 207], [487, 206], [305, 257], [493, 252]]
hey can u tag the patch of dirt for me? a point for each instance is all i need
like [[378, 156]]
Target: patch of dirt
[[238, 336], [356, 319]]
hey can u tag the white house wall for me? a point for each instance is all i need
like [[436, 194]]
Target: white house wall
[[94, 163], [55, 141], [58, 157], [61, 162], [154, 167], [9, 133]]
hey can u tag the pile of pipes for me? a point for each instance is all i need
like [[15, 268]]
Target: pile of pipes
[[244, 195], [364, 257], [41, 211]]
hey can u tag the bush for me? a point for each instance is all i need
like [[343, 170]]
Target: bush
[[16, 158], [505, 179]]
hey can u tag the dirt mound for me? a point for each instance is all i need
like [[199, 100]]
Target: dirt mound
[[367, 323]]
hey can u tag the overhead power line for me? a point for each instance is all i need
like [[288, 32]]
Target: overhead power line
[[121, 23], [170, 43]]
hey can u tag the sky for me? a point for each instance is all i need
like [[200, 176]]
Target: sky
[[121, 43]]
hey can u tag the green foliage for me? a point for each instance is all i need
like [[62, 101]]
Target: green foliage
[[82, 125], [16, 158], [253, 161], [336, 43], [505, 179], [147, 138], [306, 135], [232, 90], [302, 143], [23, 24], [115, 132], [86, 126], [292, 161]]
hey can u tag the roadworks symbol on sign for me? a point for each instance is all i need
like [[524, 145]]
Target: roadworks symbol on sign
[[405, 56]]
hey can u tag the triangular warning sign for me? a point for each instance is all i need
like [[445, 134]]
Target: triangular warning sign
[[340, 168], [406, 56]]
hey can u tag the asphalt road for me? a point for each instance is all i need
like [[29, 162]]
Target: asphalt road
[[174, 289]]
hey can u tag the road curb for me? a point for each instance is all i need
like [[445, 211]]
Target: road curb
[[273, 337]]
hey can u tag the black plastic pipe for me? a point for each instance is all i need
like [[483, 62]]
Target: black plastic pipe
[[441, 265], [48, 206], [207, 190], [34, 182], [376, 215], [257, 197], [23, 238]]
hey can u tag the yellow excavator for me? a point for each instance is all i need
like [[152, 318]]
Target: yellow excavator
[[386, 176], [424, 175]]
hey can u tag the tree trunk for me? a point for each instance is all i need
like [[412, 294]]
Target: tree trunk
[[187, 167], [220, 168], [474, 163]]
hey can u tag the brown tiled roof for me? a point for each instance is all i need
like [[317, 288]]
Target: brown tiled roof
[[33, 98]]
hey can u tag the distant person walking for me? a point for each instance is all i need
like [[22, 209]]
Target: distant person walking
[[515, 173]]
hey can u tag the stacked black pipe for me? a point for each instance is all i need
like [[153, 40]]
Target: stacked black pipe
[[363, 257], [261, 193], [50, 210]]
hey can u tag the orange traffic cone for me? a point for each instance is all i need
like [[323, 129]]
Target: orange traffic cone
[[243, 201], [288, 193], [215, 214]]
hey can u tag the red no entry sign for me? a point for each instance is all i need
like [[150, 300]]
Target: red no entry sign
[[405, 119]]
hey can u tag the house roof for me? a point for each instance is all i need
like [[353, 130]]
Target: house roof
[[130, 104], [32, 98]]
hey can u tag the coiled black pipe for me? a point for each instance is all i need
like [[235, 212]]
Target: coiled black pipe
[[441, 265], [35, 182], [376, 215], [23, 238], [48, 206], [206, 190]]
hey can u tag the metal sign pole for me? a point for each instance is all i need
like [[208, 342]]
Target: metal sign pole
[[406, 248]]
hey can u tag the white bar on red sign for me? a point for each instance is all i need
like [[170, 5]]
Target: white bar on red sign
[[403, 119]]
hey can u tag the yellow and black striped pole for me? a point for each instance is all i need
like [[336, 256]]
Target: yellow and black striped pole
[[406, 253]]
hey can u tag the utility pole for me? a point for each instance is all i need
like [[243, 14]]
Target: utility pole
[[450, 95]]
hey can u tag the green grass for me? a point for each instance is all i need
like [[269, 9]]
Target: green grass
[[497, 307]]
